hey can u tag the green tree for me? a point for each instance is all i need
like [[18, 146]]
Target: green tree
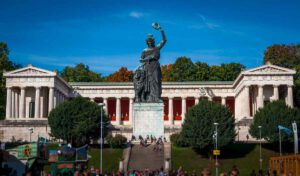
[[274, 114], [77, 121], [225, 72], [198, 128], [202, 71], [183, 70], [80, 73], [5, 65]]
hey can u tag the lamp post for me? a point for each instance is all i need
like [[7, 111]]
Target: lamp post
[[260, 158], [101, 135], [30, 132], [216, 147]]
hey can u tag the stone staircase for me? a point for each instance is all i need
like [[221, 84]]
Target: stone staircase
[[144, 157]]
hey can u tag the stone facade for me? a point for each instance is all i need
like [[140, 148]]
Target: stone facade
[[33, 92]]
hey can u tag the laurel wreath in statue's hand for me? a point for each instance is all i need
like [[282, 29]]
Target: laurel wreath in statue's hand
[[156, 26]]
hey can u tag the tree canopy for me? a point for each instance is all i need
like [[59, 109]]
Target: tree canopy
[[270, 116], [166, 71], [5, 65], [183, 70], [198, 128], [123, 75], [77, 121], [283, 55], [80, 73]]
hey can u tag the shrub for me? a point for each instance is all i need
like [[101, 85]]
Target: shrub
[[177, 140], [117, 141]]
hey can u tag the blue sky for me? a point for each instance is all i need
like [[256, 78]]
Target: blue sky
[[109, 34]]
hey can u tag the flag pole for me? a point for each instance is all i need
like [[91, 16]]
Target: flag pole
[[279, 142]]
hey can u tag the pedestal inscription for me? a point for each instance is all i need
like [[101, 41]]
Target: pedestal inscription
[[148, 119]]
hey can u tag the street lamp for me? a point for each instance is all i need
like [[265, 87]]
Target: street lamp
[[101, 135], [260, 158], [216, 147], [30, 132]]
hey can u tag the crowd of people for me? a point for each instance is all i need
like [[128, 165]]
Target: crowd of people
[[159, 143]]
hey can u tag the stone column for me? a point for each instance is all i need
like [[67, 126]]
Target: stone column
[[13, 100], [54, 98], [118, 111], [171, 115], [260, 97], [106, 106], [196, 100], [210, 98], [37, 102], [290, 101], [275, 93], [17, 104], [183, 108], [8, 102], [130, 110], [223, 100], [247, 101], [22, 103], [51, 99]]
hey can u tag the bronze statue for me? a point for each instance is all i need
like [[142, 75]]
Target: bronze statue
[[147, 77]]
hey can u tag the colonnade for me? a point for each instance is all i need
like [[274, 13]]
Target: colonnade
[[118, 116], [20, 99]]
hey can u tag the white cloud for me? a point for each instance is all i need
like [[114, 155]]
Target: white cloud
[[135, 14]]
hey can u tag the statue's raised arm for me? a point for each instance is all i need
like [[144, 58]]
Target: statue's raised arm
[[164, 39]]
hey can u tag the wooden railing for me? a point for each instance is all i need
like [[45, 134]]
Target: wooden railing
[[286, 164]]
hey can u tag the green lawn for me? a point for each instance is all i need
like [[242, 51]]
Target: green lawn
[[244, 156], [111, 158]]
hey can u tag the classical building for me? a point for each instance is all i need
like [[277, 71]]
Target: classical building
[[33, 92]]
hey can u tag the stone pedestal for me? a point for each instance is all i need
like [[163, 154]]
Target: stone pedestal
[[148, 119]]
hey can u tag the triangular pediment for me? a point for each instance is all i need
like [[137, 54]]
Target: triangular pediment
[[269, 69], [30, 71]]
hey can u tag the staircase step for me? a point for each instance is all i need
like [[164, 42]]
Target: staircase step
[[145, 158]]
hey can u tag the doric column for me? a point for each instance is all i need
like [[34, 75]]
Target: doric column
[[276, 93], [223, 100], [37, 102], [130, 110], [210, 98], [22, 103], [106, 106], [8, 102], [13, 100], [183, 108], [92, 99], [16, 104], [51, 99], [290, 101], [54, 98], [170, 115], [247, 101], [118, 111], [196, 100], [260, 97]]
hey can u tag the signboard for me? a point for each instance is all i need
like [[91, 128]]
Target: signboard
[[53, 156], [216, 152], [27, 151]]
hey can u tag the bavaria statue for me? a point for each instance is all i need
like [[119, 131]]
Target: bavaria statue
[[147, 77]]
